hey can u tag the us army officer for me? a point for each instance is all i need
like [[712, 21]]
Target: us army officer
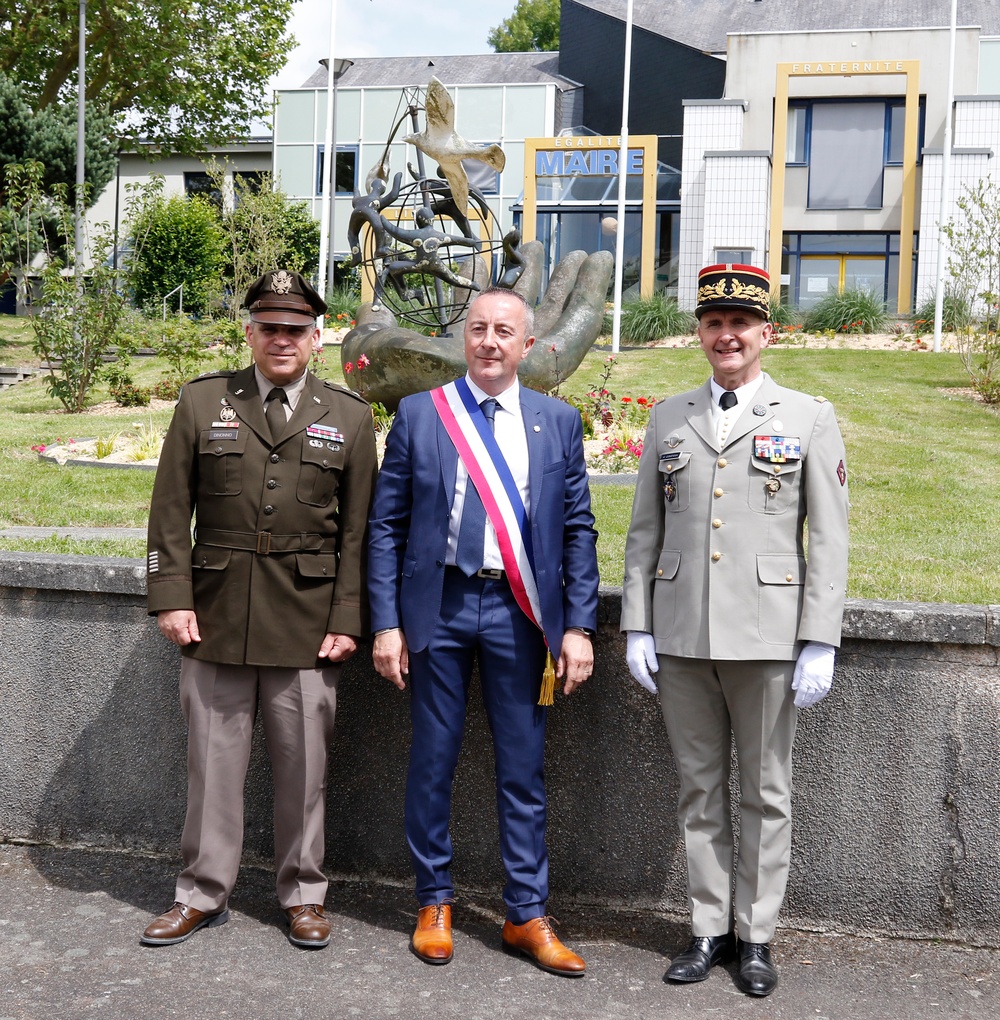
[[277, 468]]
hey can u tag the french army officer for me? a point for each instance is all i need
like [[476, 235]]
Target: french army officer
[[740, 626], [483, 547], [277, 467]]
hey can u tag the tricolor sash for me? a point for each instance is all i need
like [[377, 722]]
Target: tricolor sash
[[468, 429]]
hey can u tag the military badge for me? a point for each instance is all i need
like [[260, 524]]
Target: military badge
[[760, 410], [777, 449], [316, 443], [281, 282], [670, 490], [842, 473], [228, 413], [330, 433]]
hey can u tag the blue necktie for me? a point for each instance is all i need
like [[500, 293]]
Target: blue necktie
[[472, 529]]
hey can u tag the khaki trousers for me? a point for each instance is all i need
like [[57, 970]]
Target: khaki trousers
[[220, 704], [703, 702]]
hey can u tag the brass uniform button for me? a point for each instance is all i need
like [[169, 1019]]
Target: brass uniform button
[[716, 556], [788, 577], [716, 523], [777, 469], [659, 573], [723, 462], [718, 493]]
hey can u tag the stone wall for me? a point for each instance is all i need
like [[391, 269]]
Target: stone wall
[[897, 794]]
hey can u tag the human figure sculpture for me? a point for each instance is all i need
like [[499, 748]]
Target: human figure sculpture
[[367, 209], [426, 241]]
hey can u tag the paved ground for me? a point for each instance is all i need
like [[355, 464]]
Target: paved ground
[[69, 950]]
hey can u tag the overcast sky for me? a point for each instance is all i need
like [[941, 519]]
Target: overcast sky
[[388, 28]]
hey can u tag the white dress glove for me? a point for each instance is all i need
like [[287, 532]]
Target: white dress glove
[[641, 657], [813, 676]]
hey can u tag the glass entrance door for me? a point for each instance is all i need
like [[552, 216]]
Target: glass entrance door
[[820, 275]]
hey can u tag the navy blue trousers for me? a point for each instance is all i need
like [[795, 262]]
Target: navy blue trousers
[[479, 618]]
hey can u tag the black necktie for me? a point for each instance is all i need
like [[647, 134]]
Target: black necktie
[[275, 412], [727, 400], [472, 528]]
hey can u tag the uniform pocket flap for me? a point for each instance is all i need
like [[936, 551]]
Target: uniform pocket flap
[[210, 557], [318, 565], [667, 565], [673, 461], [780, 568]]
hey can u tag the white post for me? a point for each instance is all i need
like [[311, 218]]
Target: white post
[[329, 159], [81, 142], [945, 180], [622, 181]]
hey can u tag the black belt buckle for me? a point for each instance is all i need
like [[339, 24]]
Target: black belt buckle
[[263, 543], [490, 573]]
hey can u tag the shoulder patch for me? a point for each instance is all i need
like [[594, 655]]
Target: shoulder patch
[[337, 388], [222, 373]]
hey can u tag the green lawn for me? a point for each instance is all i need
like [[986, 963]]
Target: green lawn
[[923, 463]]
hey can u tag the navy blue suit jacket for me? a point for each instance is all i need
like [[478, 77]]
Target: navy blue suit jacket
[[408, 528]]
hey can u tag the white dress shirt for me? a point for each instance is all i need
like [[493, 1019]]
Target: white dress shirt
[[508, 428]]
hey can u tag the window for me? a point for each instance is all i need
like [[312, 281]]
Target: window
[[846, 145], [345, 172], [197, 182], [482, 176], [731, 256]]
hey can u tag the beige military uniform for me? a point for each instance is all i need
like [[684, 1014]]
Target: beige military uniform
[[716, 570]]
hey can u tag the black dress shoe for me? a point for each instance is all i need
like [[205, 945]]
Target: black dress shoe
[[757, 974], [700, 957]]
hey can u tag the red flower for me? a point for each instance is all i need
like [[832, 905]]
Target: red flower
[[363, 361], [348, 368], [626, 400]]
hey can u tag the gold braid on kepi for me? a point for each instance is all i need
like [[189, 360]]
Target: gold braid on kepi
[[734, 286]]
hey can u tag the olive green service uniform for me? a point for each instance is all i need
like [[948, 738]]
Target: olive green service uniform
[[278, 562]]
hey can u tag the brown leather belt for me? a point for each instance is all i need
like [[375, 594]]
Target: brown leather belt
[[264, 542]]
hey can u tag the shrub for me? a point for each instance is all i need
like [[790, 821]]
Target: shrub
[[647, 319], [981, 357], [956, 314], [786, 317], [851, 311], [177, 241]]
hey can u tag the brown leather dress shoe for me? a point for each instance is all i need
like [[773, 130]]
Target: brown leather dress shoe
[[180, 922], [537, 940], [432, 938], [308, 926]]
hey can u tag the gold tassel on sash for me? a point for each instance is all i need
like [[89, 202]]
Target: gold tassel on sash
[[546, 695]]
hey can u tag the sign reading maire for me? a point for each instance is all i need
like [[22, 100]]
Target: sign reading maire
[[590, 163]]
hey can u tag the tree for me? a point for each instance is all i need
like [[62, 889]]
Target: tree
[[179, 75], [262, 231], [75, 328], [49, 136], [534, 25], [974, 249]]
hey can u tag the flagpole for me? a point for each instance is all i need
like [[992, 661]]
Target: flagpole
[[622, 181]]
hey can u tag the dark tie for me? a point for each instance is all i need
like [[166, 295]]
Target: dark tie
[[275, 412], [727, 400], [472, 529]]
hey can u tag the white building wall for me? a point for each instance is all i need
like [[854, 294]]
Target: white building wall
[[737, 204], [975, 150], [708, 126]]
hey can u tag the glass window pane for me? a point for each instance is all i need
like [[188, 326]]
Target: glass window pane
[[295, 119], [795, 144], [859, 130], [818, 277], [865, 274], [382, 107], [294, 170], [479, 112], [525, 112]]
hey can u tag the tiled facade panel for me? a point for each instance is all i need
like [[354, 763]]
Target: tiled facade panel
[[707, 128], [737, 205]]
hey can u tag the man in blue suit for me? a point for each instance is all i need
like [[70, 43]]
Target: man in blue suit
[[482, 543]]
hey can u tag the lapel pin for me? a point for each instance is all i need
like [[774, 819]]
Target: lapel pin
[[760, 410], [538, 428]]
